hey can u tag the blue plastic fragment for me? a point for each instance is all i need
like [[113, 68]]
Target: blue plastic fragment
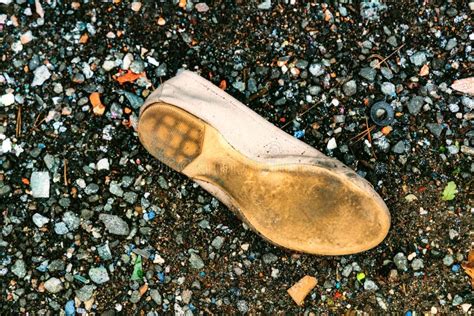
[[299, 134], [455, 268], [202, 274], [70, 308], [41, 146], [151, 215], [161, 277], [408, 313]]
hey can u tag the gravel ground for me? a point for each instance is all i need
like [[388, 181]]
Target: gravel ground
[[93, 224]]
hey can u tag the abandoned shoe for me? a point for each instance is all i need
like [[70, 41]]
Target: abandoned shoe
[[286, 191]]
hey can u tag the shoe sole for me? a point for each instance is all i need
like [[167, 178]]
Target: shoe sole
[[302, 207]]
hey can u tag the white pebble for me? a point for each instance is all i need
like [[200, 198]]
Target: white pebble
[[136, 6], [7, 99], [332, 144], [103, 164], [26, 37]]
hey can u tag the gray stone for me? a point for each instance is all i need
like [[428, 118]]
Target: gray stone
[[135, 297], [137, 66], [239, 85], [99, 275], [418, 58], [41, 75], [392, 40], [301, 64], [104, 252], [19, 268], [457, 300], [218, 242], [242, 306], [85, 292], [39, 183], [53, 285], [91, 188], [388, 88], [415, 104], [40, 220], [347, 270], [452, 43], [453, 234], [155, 296], [417, 264], [370, 285], [314, 90], [252, 85], [163, 183], [60, 228], [435, 129], [196, 261], [161, 70], [4, 189], [368, 73], [269, 258], [401, 147], [350, 88], [186, 296], [71, 220], [386, 72], [130, 197], [401, 261], [448, 260], [115, 188], [114, 224], [56, 265], [316, 69]]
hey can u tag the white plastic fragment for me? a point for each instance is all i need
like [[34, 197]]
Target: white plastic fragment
[[39, 183]]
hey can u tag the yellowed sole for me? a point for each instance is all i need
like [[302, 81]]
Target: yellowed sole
[[298, 206]]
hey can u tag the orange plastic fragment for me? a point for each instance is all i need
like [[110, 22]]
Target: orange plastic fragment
[[386, 130], [84, 38], [97, 107], [129, 77], [25, 181], [223, 85], [302, 288], [182, 3], [469, 266], [143, 289]]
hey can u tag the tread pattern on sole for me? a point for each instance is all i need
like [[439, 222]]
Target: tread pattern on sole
[[177, 138]]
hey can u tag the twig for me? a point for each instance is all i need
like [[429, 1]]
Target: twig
[[393, 53], [65, 172], [18, 122], [301, 115]]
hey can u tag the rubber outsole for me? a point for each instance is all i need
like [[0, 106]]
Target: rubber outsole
[[302, 207]]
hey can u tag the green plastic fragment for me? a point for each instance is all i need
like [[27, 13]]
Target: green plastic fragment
[[360, 276], [137, 269]]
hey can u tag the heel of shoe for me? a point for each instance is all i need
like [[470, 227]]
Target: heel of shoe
[[171, 135]]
